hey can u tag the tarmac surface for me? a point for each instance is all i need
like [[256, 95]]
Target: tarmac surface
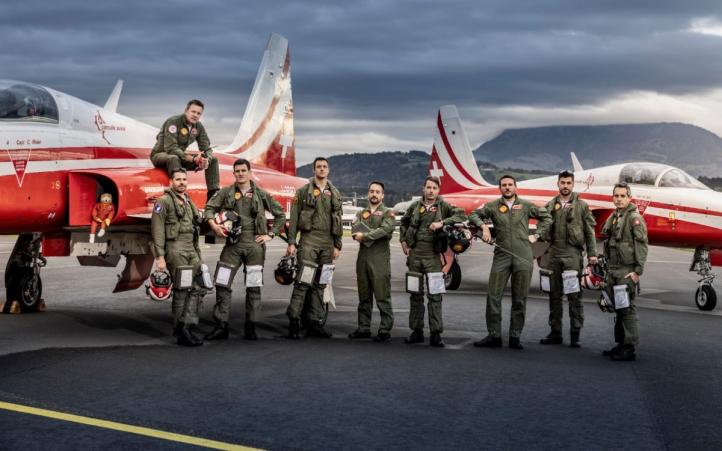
[[110, 357]]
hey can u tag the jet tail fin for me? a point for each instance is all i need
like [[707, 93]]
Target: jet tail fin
[[576, 165], [451, 157], [112, 103], [266, 136]]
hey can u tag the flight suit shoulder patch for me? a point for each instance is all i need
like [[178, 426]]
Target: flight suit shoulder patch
[[172, 128], [158, 208]]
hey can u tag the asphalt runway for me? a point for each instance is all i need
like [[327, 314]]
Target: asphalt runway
[[110, 357]]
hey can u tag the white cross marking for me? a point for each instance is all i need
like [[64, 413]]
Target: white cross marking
[[436, 171], [285, 141]]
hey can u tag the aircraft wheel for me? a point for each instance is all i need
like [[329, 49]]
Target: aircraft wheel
[[26, 288], [705, 298], [452, 279]]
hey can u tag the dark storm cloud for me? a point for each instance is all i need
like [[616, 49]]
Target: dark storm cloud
[[365, 59]]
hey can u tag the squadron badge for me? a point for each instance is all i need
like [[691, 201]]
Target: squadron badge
[[422, 210], [557, 206], [503, 208], [237, 195], [365, 215], [184, 131], [172, 129], [316, 192]]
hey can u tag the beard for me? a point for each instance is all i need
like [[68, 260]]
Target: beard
[[508, 195], [374, 200], [565, 191]]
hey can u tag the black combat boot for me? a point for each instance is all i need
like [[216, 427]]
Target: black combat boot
[[186, 338], [294, 325], [316, 330], [382, 337], [196, 333], [359, 334], [417, 336], [220, 332], [574, 340], [435, 340], [626, 353], [488, 342], [249, 331], [554, 338], [514, 343], [614, 350]]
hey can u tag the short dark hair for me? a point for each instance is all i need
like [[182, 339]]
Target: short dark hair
[[195, 102], [565, 174], [241, 161], [317, 159], [175, 171], [376, 182], [431, 178], [507, 176], [622, 185]]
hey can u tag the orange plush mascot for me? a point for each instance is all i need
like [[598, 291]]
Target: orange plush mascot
[[103, 213]]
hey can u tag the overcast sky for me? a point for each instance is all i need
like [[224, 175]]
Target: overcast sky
[[369, 75]]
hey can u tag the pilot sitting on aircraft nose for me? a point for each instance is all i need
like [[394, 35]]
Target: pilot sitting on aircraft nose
[[179, 132]]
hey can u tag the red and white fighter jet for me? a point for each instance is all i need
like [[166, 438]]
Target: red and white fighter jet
[[679, 210], [59, 153]]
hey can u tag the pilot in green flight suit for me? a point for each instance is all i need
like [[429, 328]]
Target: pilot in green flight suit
[[571, 232], [179, 132], [316, 213], [625, 247], [250, 202], [373, 264], [512, 257], [417, 235], [175, 230]]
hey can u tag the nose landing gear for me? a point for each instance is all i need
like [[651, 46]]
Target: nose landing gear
[[23, 285], [705, 297]]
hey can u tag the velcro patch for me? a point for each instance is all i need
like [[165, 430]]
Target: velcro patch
[[516, 207], [158, 208], [378, 213], [172, 129]]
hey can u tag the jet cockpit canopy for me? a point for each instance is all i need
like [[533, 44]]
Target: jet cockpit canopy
[[26, 102], [658, 175]]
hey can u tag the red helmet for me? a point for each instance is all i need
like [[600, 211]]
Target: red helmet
[[594, 275], [159, 286]]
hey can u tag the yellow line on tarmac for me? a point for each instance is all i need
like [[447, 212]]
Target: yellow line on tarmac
[[155, 433]]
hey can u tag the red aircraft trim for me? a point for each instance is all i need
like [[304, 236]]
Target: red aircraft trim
[[452, 153]]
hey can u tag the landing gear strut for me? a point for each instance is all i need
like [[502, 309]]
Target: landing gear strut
[[705, 297], [22, 274]]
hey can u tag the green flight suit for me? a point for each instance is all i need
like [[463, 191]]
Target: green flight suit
[[175, 231], [315, 214], [373, 267], [251, 207], [414, 231], [511, 227], [571, 232], [625, 247], [169, 151]]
